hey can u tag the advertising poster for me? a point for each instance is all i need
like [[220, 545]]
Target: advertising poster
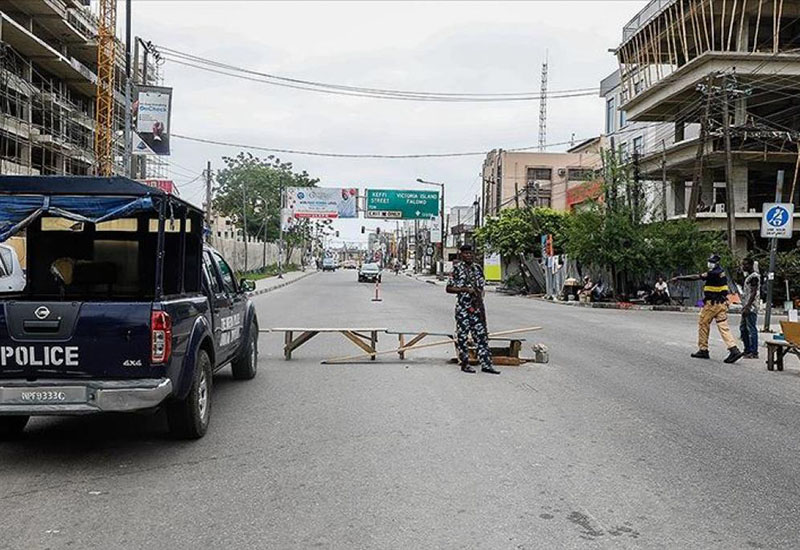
[[322, 202], [492, 269], [151, 108]]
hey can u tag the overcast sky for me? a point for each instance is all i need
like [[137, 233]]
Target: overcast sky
[[430, 46]]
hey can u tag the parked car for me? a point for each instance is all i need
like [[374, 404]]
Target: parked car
[[12, 277], [328, 264], [128, 311], [369, 273]]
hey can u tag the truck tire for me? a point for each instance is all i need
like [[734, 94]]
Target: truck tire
[[245, 366], [189, 417], [12, 427]]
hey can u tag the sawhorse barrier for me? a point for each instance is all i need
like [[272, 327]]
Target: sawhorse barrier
[[365, 338]]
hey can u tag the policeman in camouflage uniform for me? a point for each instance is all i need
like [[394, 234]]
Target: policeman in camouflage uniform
[[467, 283]]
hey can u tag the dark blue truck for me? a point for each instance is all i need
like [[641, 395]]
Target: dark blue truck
[[124, 307]]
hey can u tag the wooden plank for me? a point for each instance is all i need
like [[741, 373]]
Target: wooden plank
[[505, 361], [401, 342], [422, 346], [360, 343], [304, 329]]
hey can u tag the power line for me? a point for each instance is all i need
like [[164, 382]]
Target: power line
[[225, 69], [353, 155]]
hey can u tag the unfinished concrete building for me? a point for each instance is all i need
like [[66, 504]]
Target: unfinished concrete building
[[48, 79], [684, 64]]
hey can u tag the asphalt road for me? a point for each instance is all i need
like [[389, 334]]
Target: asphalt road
[[622, 441]]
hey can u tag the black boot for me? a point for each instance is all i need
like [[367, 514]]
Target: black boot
[[466, 368], [701, 354], [490, 369], [733, 355]]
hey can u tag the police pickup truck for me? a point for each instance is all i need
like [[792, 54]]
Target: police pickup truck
[[123, 307]]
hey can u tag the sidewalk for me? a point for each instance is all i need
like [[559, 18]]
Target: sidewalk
[[269, 284]]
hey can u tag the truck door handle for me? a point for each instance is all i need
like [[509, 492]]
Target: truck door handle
[[41, 326]]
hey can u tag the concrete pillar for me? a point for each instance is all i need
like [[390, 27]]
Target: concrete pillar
[[678, 195], [739, 111], [680, 130], [739, 179], [707, 187]]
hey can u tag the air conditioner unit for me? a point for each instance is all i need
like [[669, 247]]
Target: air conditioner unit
[[719, 208]]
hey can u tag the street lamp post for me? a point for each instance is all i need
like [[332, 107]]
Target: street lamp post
[[441, 216]]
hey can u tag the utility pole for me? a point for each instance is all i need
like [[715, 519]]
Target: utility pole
[[663, 180], [730, 204], [280, 233], [209, 220], [128, 143], [694, 197], [773, 249], [244, 221]]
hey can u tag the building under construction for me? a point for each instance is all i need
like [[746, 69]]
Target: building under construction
[[48, 86], [708, 92]]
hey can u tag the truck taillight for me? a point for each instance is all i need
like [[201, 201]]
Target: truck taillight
[[160, 337]]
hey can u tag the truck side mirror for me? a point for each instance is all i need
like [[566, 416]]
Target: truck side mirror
[[247, 285]]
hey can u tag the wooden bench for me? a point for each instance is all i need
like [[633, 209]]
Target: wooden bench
[[778, 349], [364, 338]]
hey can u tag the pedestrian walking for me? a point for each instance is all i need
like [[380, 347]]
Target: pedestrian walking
[[751, 301], [715, 308], [468, 284]]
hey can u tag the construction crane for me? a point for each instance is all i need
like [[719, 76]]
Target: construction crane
[[104, 106]]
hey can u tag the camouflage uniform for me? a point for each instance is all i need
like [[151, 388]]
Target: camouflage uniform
[[469, 317]]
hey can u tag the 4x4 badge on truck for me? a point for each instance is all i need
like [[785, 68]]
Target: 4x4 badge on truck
[[42, 312]]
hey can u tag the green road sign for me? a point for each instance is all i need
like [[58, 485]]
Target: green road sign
[[393, 204]]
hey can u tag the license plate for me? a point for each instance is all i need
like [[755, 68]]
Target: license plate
[[43, 395]]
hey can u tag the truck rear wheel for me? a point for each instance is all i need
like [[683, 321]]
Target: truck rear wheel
[[12, 426], [245, 366], [189, 417]]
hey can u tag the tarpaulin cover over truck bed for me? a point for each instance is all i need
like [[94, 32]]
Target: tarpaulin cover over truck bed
[[23, 199]]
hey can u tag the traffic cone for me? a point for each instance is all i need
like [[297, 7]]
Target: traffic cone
[[377, 297]]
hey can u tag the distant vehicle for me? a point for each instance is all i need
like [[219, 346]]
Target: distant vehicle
[[12, 278], [349, 264], [131, 313], [328, 264], [369, 273]]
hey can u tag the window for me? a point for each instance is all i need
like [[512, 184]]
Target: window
[[623, 118], [211, 275], [226, 273], [638, 145], [535, 174], [623, 152], [611, 115], [580, 174]]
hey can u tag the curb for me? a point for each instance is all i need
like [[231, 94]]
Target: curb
[[281, 285], [734, 310]]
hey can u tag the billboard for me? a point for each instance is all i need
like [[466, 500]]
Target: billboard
[[151, 108], [322, 202], [168, 186]]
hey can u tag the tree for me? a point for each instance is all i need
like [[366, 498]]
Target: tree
[[519, 231], [249, 187]]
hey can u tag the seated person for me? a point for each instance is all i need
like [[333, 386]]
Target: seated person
[[660, 293], [585, 294]]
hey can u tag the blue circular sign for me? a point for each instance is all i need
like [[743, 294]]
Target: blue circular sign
[[301, 195], [777, 216]]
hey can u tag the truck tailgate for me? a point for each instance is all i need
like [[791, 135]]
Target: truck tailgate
[[75, 340]]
